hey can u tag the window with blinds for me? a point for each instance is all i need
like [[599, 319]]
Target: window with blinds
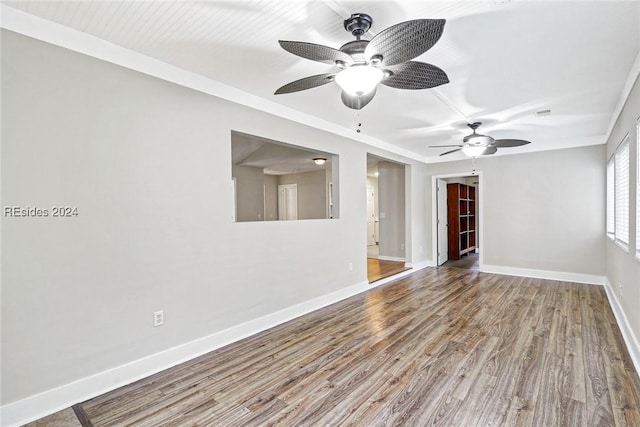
[[621, 173], [611, 220]]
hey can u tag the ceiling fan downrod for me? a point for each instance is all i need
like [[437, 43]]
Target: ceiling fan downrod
[[358, 24]]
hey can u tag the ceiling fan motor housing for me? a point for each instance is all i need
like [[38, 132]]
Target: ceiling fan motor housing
[[476, 138], [355, 49], [358, 24]]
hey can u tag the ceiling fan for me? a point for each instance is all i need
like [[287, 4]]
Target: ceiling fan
[[481, 145], [362, 64]]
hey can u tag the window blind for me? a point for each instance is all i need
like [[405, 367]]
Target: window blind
[[622, 193], [611, 220]]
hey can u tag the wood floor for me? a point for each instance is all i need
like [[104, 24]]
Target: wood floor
[[469, 262], [378, 269], [445, 346]]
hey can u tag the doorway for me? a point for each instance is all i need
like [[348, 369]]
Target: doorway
[[288, 202], [386, 218], [372, 218], [457, 222]]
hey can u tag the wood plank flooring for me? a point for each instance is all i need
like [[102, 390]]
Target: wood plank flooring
[[445, 346], [378, 269], [470, 262]]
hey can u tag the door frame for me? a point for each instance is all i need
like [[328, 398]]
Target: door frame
[[434, 213], [282, 208], [439, 219]]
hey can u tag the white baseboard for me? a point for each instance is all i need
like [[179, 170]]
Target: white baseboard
[[390, 258], [51, 401], [562, 276], [419, 265], [630, 339]]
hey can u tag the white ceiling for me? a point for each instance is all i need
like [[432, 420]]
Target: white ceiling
[[506, 60]]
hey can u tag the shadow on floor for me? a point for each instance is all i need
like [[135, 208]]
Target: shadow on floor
[[468, 262]]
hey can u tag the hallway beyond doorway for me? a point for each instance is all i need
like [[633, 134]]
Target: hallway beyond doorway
[[373, 251]]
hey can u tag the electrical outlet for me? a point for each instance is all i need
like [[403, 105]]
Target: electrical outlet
[[158, 318], [350, 266], [620, 290]]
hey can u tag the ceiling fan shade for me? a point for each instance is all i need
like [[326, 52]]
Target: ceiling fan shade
[[363, 64], [359, 79], [474, 150], [475, 145], [357, 102]]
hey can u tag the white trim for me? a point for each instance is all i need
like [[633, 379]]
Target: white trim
[[624, 95], [50, 401], [77, 41], [622, 245], [591, 279], [479, 207], [391, 258], [419, 265], [630, 339]]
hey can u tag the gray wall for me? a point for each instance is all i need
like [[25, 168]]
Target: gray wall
[[249, 193], [391, 205], [623, 271], [541, 210], [271, 197], [147, 164]]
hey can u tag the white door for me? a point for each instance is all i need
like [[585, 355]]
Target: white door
[[371, 217], [443, 235], [288, 202]]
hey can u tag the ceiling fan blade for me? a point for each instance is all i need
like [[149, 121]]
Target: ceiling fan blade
[[404, 41], [415, 75], [489, 150], [306, 83], [357, 102], [509, 143], [442, 146], [449, 152], [316, 52]]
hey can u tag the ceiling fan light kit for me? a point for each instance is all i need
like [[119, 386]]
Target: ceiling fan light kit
[[363, 64], [359, 79], [474, 150]]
